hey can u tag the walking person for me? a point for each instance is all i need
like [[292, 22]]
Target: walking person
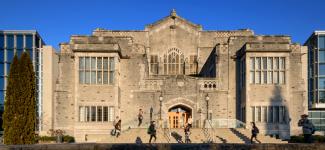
[[140, 117], [307, 128], [152, 131], [118, 128], [190, 121], [187, 134], [255, 131], [113, 132]]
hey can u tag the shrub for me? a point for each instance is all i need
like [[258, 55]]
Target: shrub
[[296, 139], [68, 139]]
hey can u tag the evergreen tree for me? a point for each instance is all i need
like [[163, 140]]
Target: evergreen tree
[[10, 116], [27, 109]]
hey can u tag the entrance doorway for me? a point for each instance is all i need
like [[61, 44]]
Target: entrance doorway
[[178, 116]]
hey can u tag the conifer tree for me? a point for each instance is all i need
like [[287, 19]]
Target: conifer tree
[[10, 108], [27, 119]]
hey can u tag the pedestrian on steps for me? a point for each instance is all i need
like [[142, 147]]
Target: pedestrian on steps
[[152, 131], [187, 134], [255, 131], [190, 121], [118, 128], [140, 117], [308, 128]]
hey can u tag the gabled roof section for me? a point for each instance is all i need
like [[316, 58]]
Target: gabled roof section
[[173, 15]]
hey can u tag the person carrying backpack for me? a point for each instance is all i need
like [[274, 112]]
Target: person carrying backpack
[[307, 128], [187, 134], [255, 131], [152, 131]]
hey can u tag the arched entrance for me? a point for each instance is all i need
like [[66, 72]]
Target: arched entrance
[[178, 116]]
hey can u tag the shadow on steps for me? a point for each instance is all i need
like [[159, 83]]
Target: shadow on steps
[[241, 136]]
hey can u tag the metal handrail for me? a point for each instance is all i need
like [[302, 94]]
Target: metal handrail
[[226, 123]]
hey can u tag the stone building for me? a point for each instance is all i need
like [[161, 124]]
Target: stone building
[[174, 69]]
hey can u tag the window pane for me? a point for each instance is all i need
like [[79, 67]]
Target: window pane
[[10, 55], [111, 77], [93, 113], [111, 113], [252, 77], [87, 113], [93, 77], [253, 114], [321, 56], [258, 77], [276, 114], [99, 113], [265, 114], [264, 63], [321, 69], [99, 77], [93, 63], [282, 63], [81, 77], [252, 63], [258, 63], [1, 84], [259, 115], [105, 64], [2, 55], [2, 70], [112, 63], [2, 97], [81, 114], [99, 63], [10, 42], [81, 63], [20, 42], [321, 83], [321, 96], [270, 77], [29, 41], [87, 63], [19, 52], [321, 42], [276, 77], [105, 77], [270, 63], [276, 63], [264, 77], [2, 40], [282, 77], [270, 115], [105, 114], [87, 77]]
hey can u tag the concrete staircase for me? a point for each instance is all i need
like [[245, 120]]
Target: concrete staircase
[[198, 135]]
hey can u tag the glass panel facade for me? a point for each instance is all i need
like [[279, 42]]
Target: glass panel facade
[[321, 96], [29, 42], [321, 83], [2, 69], [2, 96], [2, 41], [10, 55], [321, 69], [19, 42], [321, 56], [321, 41], [10, 41]]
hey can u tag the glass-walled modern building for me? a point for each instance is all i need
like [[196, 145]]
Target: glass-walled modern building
[[316, 78], [18, 41]]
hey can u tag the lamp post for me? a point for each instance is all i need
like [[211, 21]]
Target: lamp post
[[160, 100], [207, 98]]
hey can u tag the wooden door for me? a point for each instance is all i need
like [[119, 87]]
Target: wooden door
[[177, 119]]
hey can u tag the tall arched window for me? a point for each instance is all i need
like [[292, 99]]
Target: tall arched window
[[173, 62]]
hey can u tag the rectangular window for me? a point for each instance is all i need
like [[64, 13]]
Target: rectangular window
[[105, 70], [253, 114], [264, 60], [2, 70], [99, 113], [2, 41], [93, 113], [281, 78], [10, 41], [276, 114], [270, 115], [252, 64], [270, 63], [270, 77], [20, 42], [282, 63], [111, 113], [82, 113], [10, 55], [267, 70], [81, 70], [276, 77], [322, 69], [87, 110], [29, 42], [264, 77], [258, 63], [105, 113], [252, 77], [321, 96], [193, 64], [321, 55], [258, 77], [259, 115], [93, 70], [321, 83], [265, 114], [154, 64], [321, 42], [99, 70], [111, 70]]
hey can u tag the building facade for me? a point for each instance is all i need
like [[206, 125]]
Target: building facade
[[174, 69], [316, 77], [16, 42]]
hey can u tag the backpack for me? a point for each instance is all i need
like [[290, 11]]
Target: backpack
[[149, 130], [256, 130]]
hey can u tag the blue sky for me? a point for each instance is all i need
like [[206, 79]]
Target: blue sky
[[56, 20]]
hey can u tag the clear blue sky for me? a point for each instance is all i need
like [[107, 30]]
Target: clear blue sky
[[56, 20]]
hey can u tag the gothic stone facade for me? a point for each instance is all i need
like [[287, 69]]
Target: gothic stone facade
[[246, 77]]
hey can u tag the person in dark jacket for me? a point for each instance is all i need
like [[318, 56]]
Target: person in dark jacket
[[187, 133], [307, 128], [118, 128], [255, 131], [140, 117], [152, 131]]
